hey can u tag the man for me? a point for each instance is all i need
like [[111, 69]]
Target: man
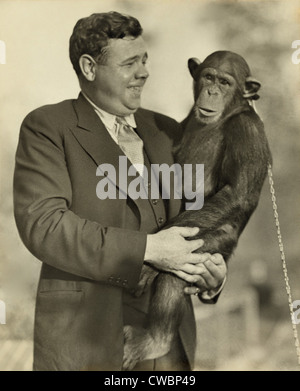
[[92, 250]]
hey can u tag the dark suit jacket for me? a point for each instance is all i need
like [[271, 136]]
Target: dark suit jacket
[[92, 250]]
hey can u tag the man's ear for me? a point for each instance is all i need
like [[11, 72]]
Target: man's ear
[[193, 64], [87, 66]]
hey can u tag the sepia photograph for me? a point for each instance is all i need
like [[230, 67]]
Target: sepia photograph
[[150, 187]]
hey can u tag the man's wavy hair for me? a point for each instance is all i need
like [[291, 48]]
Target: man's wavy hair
[[91, 35]]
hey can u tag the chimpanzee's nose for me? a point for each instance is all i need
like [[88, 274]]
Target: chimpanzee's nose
[[213, 90]]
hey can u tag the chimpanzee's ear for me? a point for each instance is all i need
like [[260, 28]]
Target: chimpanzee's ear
[[193, 64], [251, 87]]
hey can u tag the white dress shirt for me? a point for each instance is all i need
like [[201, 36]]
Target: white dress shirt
[[109, 120]]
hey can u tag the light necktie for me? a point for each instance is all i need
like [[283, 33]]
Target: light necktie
[[130, 143]]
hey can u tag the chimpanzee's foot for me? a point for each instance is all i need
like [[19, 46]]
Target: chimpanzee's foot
[[147, 277], [140, 345]]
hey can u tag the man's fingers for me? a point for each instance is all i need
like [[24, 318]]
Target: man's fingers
[[193, 269], [192, 290], [195, 290], [213, 275], [209, 279], [201, 270], [187, 231], [195, 258], [201, 283], [191, 278], [204, 257], [216, 272], [196, 244], [217, 259]]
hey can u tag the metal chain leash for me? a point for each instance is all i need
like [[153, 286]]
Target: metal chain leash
[[283, 260]]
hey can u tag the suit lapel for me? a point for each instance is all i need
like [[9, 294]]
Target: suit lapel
[[96, 141], [93, 136], [98, 144]]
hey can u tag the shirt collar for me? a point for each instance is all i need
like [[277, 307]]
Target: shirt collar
[[108, 119]]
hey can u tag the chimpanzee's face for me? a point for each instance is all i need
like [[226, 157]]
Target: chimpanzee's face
[[214, 91]]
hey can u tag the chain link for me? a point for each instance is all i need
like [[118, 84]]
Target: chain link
[[283, 260]]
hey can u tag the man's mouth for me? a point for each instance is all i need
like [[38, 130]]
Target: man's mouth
[[136, 90]]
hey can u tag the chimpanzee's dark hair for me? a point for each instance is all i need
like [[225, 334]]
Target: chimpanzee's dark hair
[[91, 34]]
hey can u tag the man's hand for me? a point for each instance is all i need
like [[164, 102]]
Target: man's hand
[[212, 272], [168, 250]]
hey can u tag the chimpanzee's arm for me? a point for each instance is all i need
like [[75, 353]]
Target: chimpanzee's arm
[[245, 156]]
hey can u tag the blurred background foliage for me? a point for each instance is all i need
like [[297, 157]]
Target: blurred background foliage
[[38, 72]]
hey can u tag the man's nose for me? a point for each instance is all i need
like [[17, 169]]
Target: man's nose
[[142, 72]]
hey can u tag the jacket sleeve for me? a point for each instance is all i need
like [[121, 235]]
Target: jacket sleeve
[[47, 226]]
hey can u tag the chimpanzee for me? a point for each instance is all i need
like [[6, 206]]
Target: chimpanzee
[[224, 133]]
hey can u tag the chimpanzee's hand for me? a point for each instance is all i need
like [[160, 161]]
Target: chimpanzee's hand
[[212, 272]]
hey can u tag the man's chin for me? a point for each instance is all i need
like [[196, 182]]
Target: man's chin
[[125, 111], [132, 100], [132, 107]]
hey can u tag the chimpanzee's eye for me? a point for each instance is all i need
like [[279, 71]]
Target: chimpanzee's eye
[[208, 76], [224, 82]]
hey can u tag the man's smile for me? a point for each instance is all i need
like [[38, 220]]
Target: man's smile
[[136, 90]]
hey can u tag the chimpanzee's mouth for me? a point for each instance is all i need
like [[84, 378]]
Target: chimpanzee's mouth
[[207, 112]]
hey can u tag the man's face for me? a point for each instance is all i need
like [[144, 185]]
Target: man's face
[[119, 82]]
